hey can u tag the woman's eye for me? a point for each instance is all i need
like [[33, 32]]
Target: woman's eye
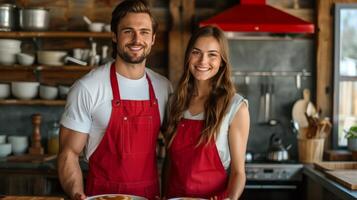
[[195, 52]]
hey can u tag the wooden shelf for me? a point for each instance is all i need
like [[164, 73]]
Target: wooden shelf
[[55, 34], [46, 68], [33, 102]]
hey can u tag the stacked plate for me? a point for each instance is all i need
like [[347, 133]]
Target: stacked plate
[[8, 50]]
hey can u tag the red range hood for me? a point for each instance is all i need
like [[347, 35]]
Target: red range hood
[[257, 16]]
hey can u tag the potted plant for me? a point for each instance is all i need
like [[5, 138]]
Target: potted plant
[[351, 136]]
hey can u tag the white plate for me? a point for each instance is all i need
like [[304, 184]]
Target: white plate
[[113, 195], [186, 198]]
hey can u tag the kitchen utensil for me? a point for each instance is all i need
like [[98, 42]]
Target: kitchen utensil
[[294, 127], [36, 146], [34, 19], [7, 17], [87, 20], [299, 109], [276, 150], [69, 59], [261, 117]]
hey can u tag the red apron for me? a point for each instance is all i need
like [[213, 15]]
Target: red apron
[[195, 171], [125, 159]]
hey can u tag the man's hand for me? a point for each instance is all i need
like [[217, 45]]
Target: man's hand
[[79, 196]]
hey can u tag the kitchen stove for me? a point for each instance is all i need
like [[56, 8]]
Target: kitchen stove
[[274, 171], [273, 180]]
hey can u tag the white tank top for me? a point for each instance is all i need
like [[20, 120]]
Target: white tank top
[[222, 137]]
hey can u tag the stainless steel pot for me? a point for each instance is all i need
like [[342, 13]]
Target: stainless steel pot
[[7, 17], [34, 19], [277, 151]]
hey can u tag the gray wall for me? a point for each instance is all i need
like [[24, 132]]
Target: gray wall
[[273, 55], [16, 120]]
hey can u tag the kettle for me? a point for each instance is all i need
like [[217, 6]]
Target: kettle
[[277, 151]]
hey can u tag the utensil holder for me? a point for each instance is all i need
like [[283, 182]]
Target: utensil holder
[[310, 150]]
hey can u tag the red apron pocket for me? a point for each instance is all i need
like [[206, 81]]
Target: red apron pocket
[[137, 135]]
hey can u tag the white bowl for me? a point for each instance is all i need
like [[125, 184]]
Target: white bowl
[[4, 90], [96, 27], [55, 58], [7, 58], [48, 92], [19, 144], [63, 91], [24, 90], [25, 59], [107, 28], [10, 43], [2, 139], [5, 149]]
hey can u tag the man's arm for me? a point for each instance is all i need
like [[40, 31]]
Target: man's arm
[[69, 171]]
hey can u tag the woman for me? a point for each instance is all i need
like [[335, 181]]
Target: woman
[[208, 124]]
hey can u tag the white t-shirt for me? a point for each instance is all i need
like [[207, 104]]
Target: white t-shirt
[[222, 137], [88, 107]]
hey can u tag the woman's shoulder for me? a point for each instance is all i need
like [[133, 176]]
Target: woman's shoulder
[[237, 99], [236, 102]]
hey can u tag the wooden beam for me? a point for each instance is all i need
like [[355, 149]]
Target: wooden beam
[[181, 14]]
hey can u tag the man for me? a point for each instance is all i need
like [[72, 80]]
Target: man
[[115, 111]]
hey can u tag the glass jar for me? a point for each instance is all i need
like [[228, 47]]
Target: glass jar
[[53, 139]]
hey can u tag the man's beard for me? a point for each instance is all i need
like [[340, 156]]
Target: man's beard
[[130, 59]]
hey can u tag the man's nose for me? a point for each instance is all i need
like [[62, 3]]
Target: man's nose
[[136, 36]]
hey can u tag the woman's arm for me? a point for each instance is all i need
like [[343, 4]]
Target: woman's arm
[[238, 138]]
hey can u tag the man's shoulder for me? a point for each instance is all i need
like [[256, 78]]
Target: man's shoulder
[[156, 77], [99, 73]]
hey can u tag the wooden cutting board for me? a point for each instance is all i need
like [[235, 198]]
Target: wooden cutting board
[[347, 178], [29, 198], [337, 155], [299, 109], [31, 158], [335, 165]]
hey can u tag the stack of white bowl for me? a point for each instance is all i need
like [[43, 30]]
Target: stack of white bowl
[[8, 50], [19, 144], [5, 148]]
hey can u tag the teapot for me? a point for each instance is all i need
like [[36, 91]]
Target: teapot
[[277, 151]]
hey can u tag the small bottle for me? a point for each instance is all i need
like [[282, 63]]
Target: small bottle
[[53, 139]]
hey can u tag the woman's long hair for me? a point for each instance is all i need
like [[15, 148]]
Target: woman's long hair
[[222, 91]]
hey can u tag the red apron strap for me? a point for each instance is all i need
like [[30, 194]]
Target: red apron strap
[[114, 83], [153, 99]]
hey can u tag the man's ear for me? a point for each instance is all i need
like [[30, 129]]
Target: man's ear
[[114, 37], [153, 39]]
